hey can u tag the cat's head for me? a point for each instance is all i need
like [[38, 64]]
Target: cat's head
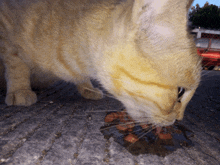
[[155, 71]]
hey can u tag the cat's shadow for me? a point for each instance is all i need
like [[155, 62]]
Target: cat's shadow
[[66, 93]]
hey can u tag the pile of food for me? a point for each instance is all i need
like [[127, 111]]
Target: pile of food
[[133, 136]]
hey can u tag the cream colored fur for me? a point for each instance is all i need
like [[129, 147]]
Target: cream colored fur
[[139, 50]]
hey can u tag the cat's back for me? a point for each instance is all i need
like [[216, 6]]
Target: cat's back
[[40, 29], [21, 7], [19, 16]]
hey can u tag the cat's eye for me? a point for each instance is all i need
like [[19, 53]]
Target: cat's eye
[[181, 92]]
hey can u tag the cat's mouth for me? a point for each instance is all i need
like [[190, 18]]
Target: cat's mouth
[[151, 117], [159, 121], [127, 122]]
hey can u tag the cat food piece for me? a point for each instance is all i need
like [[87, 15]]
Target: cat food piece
[[130, 118], [121, 127], [122, 120], [130, 129], [178, 131], [125, 115], [131, 138], [116, 115], [122, 116], [145, 126], [158, 130], [110, 117], [165, 136], [131, 124]]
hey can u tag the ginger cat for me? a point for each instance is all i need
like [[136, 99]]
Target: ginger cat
[[139, 50]]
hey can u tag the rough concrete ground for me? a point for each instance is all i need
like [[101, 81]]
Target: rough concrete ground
[[62, 128]]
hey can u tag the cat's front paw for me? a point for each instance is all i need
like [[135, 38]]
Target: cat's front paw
[[21, 98], [93, 94]]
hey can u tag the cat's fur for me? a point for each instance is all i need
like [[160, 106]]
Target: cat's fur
[[139, 50]]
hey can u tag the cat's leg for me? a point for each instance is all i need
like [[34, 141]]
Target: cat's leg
[[17, 75], [87, 90]]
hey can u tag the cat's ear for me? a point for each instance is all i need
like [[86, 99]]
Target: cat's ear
[[189, 4]]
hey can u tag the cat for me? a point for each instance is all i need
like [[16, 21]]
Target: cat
[[139, 50]]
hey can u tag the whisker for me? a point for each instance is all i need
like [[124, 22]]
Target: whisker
[[123, 124], [104, 110], [98, 92], [142, 135], [206, 63], [206, 76], [144, 130]]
